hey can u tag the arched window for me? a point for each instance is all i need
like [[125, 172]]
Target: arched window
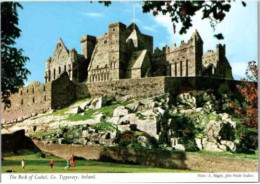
[[33, 100], [45, 98], [49, 75], [44, 88], [21, 102], [27, 90], [187, 67], [175, 70], [59, 70], [181, 68], [21, 92], [54, 74]]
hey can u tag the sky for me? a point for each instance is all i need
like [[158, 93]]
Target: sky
[[43, 23]]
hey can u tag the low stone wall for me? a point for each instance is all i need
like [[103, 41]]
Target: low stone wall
[[135, 87], [163, 158]]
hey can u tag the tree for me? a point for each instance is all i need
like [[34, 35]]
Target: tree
[[183, 11], [249, 90], [13, 69]]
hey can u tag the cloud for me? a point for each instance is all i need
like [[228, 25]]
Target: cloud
[[93, 14], [238, 69], [149, 28], [240, 40]]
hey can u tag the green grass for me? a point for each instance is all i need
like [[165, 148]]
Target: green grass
[[229, 154], [33, 164], [104, 126], [89, 113]]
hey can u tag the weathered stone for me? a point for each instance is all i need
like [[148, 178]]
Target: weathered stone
[[75, 110], [199, 143], [97, 103], [132, 107], [231, 145], [120, 111], [126, 98], [84, 105]]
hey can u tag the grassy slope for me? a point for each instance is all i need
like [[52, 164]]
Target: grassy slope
[[34, 164]]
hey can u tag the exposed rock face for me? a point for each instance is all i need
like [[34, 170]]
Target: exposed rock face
[[120, 111], [189, 122]]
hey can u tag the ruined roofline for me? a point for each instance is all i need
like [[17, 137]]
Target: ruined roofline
[[175, 48]]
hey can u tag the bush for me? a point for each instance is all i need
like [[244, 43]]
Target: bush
[[40, 155], [248, 139]]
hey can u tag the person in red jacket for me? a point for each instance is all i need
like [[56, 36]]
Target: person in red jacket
[[51, 164]]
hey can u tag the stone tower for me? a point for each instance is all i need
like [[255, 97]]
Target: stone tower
[[117, 50], [198, 49]]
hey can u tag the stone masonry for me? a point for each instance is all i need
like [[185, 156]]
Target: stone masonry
[[120, 62]]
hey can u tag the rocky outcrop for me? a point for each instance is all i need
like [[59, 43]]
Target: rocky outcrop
[[189, 122]]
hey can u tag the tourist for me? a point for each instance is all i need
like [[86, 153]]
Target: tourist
[[51, 164], [23, 164], [72, 161], [67, 165]]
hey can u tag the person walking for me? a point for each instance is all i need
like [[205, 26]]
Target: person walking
[[51, 164], [67, 165], [23, 164]]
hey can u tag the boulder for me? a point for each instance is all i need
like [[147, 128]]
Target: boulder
[[198, 142], [143, 141], [97, 103], [186, 99], [85, 134], [75, 110], [132, 107], [120, 111], [126, 98], [212, 146], [84, 105], [99, 117], [94, 137], [114, 120], [146, 104], [231, 145]]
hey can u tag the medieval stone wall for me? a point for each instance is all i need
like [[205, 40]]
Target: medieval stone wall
[[31, 99], [161, 158], [63, 91], [134, 87]]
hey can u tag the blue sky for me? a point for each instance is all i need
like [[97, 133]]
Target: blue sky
[[43, 23]]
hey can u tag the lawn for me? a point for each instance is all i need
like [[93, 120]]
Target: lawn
[[34, 164]]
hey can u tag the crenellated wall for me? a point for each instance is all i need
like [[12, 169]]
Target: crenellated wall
[[36, 98], [29, 100]]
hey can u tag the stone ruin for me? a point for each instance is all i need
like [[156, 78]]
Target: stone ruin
[[120, 62]]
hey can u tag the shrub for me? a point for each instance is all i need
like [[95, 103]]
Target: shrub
[[40, 155]]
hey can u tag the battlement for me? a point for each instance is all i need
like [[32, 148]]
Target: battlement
[[117, 24]]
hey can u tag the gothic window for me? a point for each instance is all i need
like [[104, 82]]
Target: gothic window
[[175, 70], [59, 70], [27, 90], [44, 98], [105, 41], [187, 68], [97, 66], [21, 102], [54, 73], [49, 75], [33, 100], [44, 88], [181, 68]]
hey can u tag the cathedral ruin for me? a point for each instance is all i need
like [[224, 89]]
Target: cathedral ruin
[[119, 62]]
